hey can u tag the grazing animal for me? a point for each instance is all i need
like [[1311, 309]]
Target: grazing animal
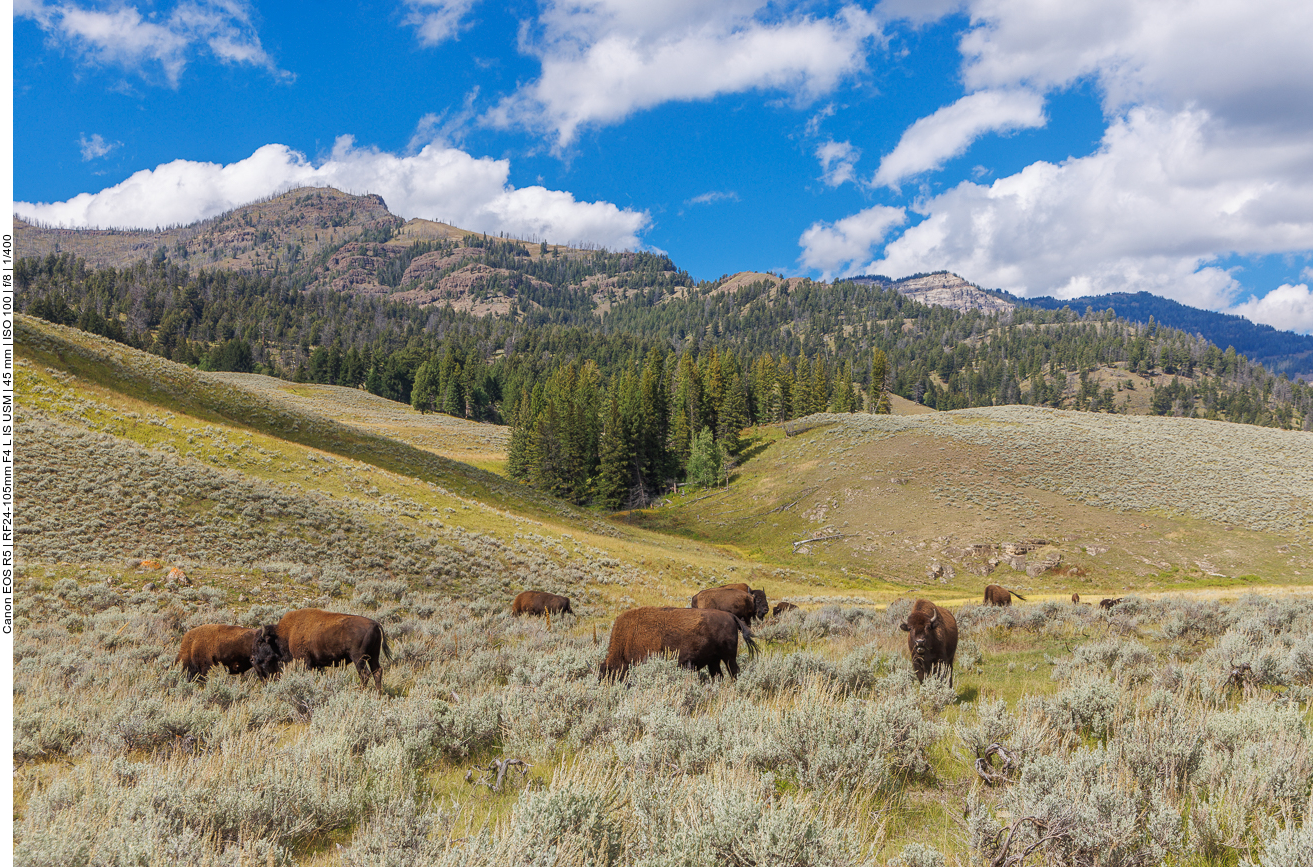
[[783, 607], [996, 595], [234, 647], [701, 638], [931, 638], [323, 638], [740, 603], [539, 603], [758, 596], [1075, 599], [1107, 604]]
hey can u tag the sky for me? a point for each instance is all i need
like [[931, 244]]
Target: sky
[[1044, 147]]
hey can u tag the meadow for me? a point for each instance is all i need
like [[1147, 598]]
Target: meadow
[[1172, 729]]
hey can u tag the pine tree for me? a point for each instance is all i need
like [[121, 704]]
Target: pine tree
[[424, 393], [612, 485]]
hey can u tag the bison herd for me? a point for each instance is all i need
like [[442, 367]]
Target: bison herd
[[704, 635]]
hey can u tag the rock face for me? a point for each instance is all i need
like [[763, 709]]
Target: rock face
[[948, 290]]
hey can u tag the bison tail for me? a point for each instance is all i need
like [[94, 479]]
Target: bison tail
[[1018, 595], [383, 644], [747, 637]]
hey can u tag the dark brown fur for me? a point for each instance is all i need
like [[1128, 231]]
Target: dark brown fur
[[539, 603], [996, 595], [323, 638], [1075, 599], [783, 607], [214, 644], [741, 603], [702, 638], [931, 638], [1107, 604]]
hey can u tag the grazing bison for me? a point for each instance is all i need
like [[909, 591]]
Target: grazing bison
[[1107, 604], [762, 604], [740, 603], [996, 595], [234, 647], [1075, 599], [538, 603], [702, 638], [323, 638], [931, 638], [785, 606]]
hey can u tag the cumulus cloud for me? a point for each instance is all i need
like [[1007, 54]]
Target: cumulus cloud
[[437, 182], [838, 162], [1287, 308], [95, 147], [120, 35], [436, 21], [931, 141], [841, 246], [1164, 196], [604, 60]]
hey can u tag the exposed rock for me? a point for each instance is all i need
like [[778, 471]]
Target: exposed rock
[[177, 576], [1048, 564], [1096, 550], [948, 290], [1016, 561], [150, 564], [150, 587], [942, 571]]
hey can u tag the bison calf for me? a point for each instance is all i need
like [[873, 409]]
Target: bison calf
[[996, 595], [323, 638], [234, 647], [784, 607], [538, 603], [931, 638], [700, 638]]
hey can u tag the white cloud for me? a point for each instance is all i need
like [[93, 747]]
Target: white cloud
[[1286, 308], [95, 147], [712, 197], [436, 21], [121, 36], [604, 60], [1163, 197], [437, 182], [838, 160], [841, 246], [933, 140]]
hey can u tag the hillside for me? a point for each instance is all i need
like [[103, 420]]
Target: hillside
[[1279, 351], [944, 289]]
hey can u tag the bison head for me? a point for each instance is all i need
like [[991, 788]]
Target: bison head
[[763, 607], [269, 653], [921, 629]]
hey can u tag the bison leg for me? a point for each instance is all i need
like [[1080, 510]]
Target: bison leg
[[732, 664]]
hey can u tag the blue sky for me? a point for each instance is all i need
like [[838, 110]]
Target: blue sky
[[1062, 148]]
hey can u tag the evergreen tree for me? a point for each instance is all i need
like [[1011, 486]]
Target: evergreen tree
[[612, 486], [704, 463]]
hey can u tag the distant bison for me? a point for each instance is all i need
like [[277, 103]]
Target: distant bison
[[701, 638], [540, 603], [323, 638], [740, 603], [1107, 604], [996, 595], [931, 638], [785, 606], [1075, 599], [234, 647]]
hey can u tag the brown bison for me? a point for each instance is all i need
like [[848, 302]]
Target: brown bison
[[1075, 599], [702, 638], [234, 647], [931, 638], [323, 638], [737, 599], [785, 607], [538, 603], [1107, 604], [996, 595]]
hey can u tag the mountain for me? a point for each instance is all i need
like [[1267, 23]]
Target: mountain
[[1279, 351], [945, 289]]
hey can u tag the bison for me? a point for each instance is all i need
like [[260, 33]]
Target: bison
[[1075, 599], [701, 638], [731, 598], [1107, 604], [996, 595], [538, 603], [234, 647], [931, 638], [784, 607], [323, 638]]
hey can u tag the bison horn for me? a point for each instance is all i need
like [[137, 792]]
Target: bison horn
[[934, 618]]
